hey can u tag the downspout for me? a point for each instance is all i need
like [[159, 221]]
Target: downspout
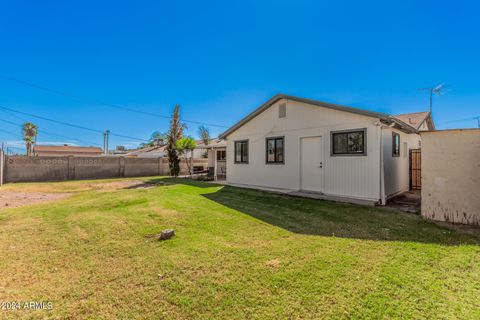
[[382, 170]]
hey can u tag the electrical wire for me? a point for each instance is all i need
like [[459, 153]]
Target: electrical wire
[[41, 131], [70, 124], [111, 105]]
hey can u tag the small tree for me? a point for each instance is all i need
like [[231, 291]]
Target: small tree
[[204, 134], [29, 132], [156, 139], [174, 134], [184, 146]]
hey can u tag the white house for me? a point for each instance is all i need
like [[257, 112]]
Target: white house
[[297, 144]]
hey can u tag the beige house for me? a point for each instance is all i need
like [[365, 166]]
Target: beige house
[[451, 176], [422, 121], [161, 151], [217, 159], [66, 150], [296, 144]]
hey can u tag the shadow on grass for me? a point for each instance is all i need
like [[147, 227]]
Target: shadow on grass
[[186, 181], [326, 218]]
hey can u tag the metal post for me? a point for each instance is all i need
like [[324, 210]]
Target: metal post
[[191, 163], [105, 141], [431, 100]]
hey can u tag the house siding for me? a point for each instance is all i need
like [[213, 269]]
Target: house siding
[[397, 175], [347, 176]]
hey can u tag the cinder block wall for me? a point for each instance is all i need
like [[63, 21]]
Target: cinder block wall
[[451, 176], [37, 169]]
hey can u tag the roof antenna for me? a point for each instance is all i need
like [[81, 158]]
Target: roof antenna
[[437, 90]]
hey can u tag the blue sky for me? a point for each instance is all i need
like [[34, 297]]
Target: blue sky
[[221, 59]]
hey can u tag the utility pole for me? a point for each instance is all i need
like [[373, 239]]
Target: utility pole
[[105, 141]]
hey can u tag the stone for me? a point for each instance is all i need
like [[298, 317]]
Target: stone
[[166, 234]]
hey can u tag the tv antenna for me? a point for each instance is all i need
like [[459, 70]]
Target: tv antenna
[[437, 90]]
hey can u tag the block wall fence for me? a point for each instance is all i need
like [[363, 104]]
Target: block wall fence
[[38, 169]]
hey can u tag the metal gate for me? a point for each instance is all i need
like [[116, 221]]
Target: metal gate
[[415, 169]]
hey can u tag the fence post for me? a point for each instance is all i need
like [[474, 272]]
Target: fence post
[[71, 168], [2, 165], [122, 167]]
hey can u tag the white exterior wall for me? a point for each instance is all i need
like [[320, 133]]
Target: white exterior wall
[[348, 176], [397, 173]]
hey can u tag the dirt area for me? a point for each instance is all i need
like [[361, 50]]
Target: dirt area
[[125, 184], [16, 199], [409, 202]]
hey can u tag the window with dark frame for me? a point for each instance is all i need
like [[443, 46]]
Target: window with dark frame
[[241, 151], [395, 144], [351, 142], [221, 155], [275, 150]]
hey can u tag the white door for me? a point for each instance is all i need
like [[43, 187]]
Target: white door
[[311, 164]]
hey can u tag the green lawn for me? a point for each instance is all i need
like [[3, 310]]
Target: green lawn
[[238, 254]]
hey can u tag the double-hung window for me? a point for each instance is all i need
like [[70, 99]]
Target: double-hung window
[[275, 150], [241, 151]]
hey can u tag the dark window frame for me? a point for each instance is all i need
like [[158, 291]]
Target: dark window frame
[[222, 152], [243, 142], [348, 154], [396, 154], [275, 150]]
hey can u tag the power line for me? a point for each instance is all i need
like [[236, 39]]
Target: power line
[[70, 124], [111, 105], [51, 133], [461, 120], [9, 132]]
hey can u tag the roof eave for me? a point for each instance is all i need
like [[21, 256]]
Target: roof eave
[[277, 97]]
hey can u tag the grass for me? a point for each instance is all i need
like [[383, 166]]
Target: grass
[[238, 254]]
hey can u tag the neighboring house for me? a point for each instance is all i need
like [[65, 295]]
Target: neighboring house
[[297, 144], [217, 158], [148, 152], [422, 121], [161, 151], [66, 150]]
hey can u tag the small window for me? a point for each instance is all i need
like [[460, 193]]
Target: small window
[[395, 144], [241, 151], [405, 149], [221, 155], [275, 150], [282, 110], [348, 142]]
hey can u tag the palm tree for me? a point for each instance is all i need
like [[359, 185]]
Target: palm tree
[[204, 134], [29, 132], [174, 134]]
